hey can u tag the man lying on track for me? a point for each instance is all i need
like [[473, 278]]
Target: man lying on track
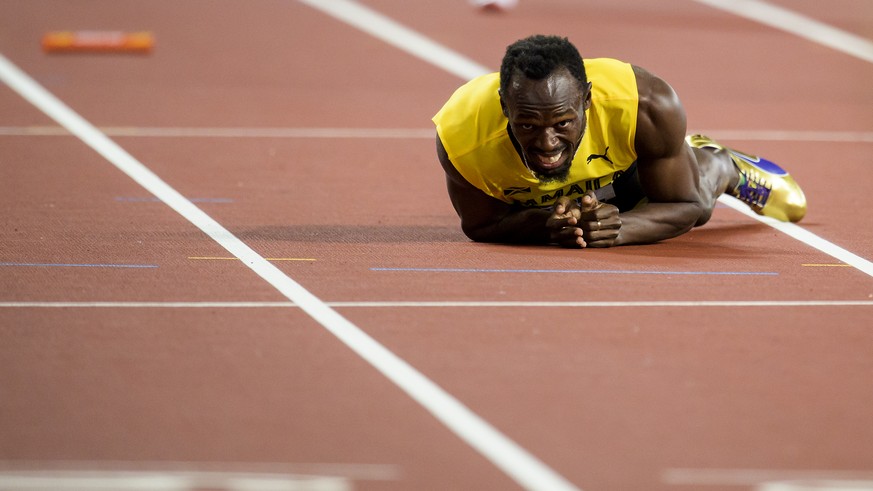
[[588, 154]]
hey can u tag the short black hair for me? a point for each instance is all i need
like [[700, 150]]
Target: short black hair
[[538, 56]]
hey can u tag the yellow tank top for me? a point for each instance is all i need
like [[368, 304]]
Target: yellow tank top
[[473, 130]]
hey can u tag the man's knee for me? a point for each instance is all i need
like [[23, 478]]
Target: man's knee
[[705, 214]]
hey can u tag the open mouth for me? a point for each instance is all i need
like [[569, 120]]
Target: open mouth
[[551, 161]]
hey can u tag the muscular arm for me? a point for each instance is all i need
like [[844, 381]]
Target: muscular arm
[[486, 219], [668, 174], [667, 168]]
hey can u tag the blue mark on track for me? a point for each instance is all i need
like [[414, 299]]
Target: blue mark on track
[[74, 265], [578, 271]]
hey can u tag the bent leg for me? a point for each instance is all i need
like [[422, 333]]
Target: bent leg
[[767, 188], [717, 175]]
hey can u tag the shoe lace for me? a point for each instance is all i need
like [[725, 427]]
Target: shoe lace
[[754, 190]]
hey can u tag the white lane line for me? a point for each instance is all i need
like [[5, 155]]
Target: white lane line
[[816, 485], [797, 24], [166, 481], [348, 470], [803, 235], [752, 477], [353, 14], [439, 304], [236, 132], [404, 133], [516, 462], [791, 136], [399, 36]]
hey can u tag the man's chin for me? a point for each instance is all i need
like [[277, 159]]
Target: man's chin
[[551, 174], [559, 174]]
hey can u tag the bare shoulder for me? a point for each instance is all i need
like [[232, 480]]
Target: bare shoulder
[[661, 121], [458, 186], [448, 167]]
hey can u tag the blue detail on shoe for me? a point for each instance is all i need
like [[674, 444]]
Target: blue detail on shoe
[[762, 164], [753, 195]]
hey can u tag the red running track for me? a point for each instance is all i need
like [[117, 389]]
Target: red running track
[[634, 377]]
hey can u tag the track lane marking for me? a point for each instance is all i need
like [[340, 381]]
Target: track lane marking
[[349, 470], [752, 477], [83, 480], [230, 132], [803, 235], [513, 460], [401, 37], [79, 265], [579, 271], [447, 304], [152, 199], [211, 258], [797, 24], [803, 136], [361, 17]]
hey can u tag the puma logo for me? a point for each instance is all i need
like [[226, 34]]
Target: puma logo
[[594, 156]]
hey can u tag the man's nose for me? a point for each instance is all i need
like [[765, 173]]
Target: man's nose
[[548, 140]]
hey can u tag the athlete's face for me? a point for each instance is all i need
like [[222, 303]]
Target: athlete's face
[[547, 118]]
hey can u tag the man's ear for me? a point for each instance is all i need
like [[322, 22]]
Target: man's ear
[[587, 102], [502, 103]]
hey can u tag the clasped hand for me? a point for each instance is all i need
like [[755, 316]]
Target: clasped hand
[[586, 223]]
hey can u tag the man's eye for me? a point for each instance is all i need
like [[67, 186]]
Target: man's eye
[[526, 127], [564, 124]]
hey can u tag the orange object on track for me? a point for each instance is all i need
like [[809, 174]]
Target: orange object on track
[[98, 41]]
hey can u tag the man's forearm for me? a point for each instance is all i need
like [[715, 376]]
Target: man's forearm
[[657, 221], [522, 226]]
